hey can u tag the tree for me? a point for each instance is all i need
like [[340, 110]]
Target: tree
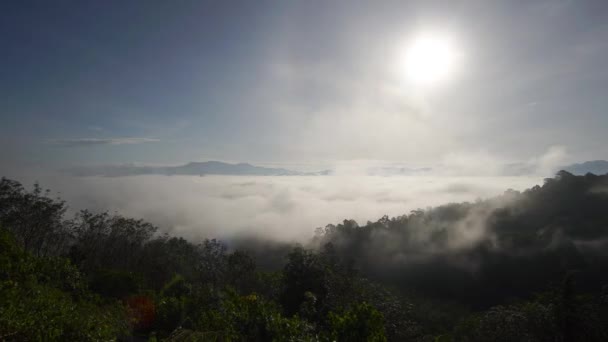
[[47, 300], [35, 219], [361, 323]]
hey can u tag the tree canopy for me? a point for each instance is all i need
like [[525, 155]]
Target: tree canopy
[[523, 266]]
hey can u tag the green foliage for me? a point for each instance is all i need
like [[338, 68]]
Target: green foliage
[[250, 318], [211, 265], [104, 241], [40, 313], [176, 287], [35, 219], [163, 257], [171, 313], [303, 273], [115, 284], [360, 323], [425, 280], [467, 252], [59, 272], [240, 272], [41, 305], [556, 315]]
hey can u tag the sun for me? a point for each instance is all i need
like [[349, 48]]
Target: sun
[[429, 59]]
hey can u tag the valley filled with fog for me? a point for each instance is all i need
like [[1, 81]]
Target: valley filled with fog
[[282, 208]]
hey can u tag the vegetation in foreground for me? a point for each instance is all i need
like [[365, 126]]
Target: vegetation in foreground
[[525, 266]]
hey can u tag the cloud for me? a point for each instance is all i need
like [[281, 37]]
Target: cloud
[[275, 208], [100, 141], [554, 158], [484, 163]]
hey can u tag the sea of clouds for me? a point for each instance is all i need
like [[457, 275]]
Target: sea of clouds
[[283, 208]]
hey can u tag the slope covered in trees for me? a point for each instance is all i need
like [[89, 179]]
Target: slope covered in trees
[[527, 266], [469, 251]]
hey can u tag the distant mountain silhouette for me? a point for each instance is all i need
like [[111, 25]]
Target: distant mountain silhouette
[[597, 167], [193, 169]]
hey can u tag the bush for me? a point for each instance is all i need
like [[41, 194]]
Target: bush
[[39, 305], [361, 323]]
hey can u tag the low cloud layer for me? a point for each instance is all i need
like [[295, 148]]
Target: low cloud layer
[[278, 208], [98, 141]]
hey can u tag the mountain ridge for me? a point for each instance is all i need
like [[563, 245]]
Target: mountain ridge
[[597, 167], [211, 167]]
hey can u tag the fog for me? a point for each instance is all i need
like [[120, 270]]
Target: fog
[[277, 208]]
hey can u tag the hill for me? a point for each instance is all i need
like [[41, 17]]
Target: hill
[[192, 169], [597, 167]]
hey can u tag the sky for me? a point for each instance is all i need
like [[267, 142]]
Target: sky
[[168, 82]]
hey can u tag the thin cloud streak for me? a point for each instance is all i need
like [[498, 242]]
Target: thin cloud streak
[[100, 141]]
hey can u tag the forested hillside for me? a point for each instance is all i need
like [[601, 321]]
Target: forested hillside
[[524, 266]]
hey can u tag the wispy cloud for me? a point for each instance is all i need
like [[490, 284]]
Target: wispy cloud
[[100, 141]]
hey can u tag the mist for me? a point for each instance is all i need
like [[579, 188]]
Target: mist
[[275, 208]]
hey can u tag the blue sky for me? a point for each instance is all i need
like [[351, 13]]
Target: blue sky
[[286, 81]]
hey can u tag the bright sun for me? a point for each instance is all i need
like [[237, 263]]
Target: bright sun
[[429, 59]]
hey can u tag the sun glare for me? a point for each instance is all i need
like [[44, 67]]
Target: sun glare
[[429, 59]]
